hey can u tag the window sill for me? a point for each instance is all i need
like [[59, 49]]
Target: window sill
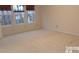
[[20, 24], [31, 22], [6, 25]]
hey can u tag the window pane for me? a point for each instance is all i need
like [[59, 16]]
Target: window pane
[[18, 8], [19, 17], [31, 16], [6, 20], [6, 17]]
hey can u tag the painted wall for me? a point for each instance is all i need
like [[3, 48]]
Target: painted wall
[[23, 27], [61, 18]]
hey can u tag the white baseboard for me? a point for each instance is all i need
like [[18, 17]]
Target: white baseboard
[[63, 32], [68, 33]]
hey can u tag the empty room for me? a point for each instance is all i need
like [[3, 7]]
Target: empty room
[[39, 29]]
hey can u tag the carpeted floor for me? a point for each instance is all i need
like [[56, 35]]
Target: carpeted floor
[[37, 41]]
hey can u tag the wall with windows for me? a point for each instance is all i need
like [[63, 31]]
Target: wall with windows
[[61, 18], [22, 27]]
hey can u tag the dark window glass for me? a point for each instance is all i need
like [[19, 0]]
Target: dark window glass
[[30, 7]]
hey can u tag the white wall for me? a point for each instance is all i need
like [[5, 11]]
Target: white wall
[[61, 18]]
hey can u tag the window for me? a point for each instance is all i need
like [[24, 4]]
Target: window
[[18, 8], [30, 13], [19, 13], [5, 14], [19, 17], [6, 17], [31, 16]]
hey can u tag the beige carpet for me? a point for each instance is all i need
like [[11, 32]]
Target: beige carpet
[[36, 41]]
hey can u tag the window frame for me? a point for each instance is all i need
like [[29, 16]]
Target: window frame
[[15, 19], [14, 13], [8, 25], [18, 9], [2, 9], [33, 20]]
